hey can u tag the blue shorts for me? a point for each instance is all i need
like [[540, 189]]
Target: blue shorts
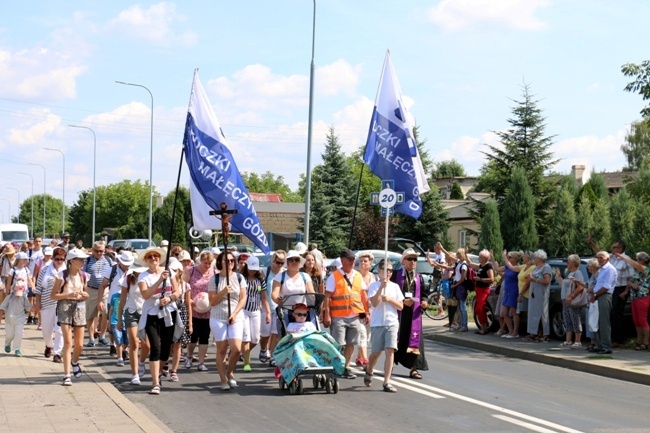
[[119, 337]]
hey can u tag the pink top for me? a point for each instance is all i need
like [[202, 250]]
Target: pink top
[[199, 283]]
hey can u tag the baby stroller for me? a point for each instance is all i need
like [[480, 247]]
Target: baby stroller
[[311, 353]]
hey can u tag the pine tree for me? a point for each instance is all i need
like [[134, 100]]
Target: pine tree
[[641, 228], [517, 214], [584, 226], [561, 237], [332, 198], [597, 182], [601, 232], [622, 218], [456, 193], [588, 192], [490, 236]]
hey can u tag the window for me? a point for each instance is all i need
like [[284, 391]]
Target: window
[[462, 238]]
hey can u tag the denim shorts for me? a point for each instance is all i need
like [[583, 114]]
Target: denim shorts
[[131, 319], [120, 337]]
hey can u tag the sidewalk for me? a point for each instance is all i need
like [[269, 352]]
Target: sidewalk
[[623, 364], [32, 398]]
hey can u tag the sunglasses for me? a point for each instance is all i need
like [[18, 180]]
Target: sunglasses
[[231, 260], [279, 263], [388, 270], [301, 314], [152, 256], [293, 260], [411, 259], [60, 260]]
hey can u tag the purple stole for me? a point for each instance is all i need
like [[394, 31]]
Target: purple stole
[[416, 323]]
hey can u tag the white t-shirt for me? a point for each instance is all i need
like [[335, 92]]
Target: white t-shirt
[[34, 259], [20, 277], [390, 317], [134, 300], [116, 284], [293, 286], [151, 307], [330, 285], [296, 327]]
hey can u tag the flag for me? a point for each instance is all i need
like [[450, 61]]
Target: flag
[[214, 177], [391, 152]]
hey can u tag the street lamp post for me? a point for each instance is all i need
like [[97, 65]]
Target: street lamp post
[[150, 158], [18, 192], [92, 237], [44, 183], [8, 208], [32, 178], [63, 207], [309, 130]]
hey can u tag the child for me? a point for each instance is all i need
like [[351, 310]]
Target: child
[[300, 314], [386, 299], [120, 336], [15, 306]]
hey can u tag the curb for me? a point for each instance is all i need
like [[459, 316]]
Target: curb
[[556, 361]]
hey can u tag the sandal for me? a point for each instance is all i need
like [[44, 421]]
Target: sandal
[[367, 379], [641, 347], [389, 388], [528, 339], [76, 370], [155, 390], [415, 375]]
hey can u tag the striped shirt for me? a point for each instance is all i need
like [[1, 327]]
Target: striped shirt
[[220, 311], [45, 284], [254, 288], [96, 269]]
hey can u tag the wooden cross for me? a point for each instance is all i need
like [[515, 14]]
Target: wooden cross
[[224, 214]]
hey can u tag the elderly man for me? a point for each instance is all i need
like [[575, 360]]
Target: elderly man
[[345, 307], [410, 346], [96, 267], [602, 292]]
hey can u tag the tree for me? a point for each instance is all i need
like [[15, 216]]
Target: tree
[[637, 144], [53, 217], [370, 229], [588, 192], [601, 232], [597, 182], [518, 214], [162, 217], [270, 184], [622, 218], [456, 192], [561, 238], [639, 187], [432, 225], [584, 226], [333, 192], [122, 207], [490, 236], [641, 241], [641, 84], [450, 168]]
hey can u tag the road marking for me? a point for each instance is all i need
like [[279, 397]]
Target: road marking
[[403, 382], [527, 425]]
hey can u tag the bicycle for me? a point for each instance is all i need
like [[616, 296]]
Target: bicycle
[[436, 299]]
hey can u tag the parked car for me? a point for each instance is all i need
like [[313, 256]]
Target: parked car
[[241, 248], [138, 245]]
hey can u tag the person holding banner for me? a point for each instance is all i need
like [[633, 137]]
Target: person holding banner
[[227, 291], [410, 346]]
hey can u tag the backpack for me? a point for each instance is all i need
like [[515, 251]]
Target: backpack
[[240, 278], [284, 274], [469, 282]]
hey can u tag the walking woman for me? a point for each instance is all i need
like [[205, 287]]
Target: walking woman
[[639, 286], [6, 263], [198, 277], [129, 313], [71, 291], [540, 282], [46, 306], [160, 293], [183, 308], [365, 263], [227, 318], [256, 299]]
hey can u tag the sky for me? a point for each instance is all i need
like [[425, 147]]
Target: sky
[[461, 65]]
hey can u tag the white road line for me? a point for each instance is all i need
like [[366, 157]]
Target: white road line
[[527, 425], [470, 400]]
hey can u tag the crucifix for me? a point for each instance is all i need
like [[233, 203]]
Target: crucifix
[[224, 214]]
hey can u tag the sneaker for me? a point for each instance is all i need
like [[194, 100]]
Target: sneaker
[[67, 381], [202, 367], [462, 329], [565, 344], [576, 345], [347, 374], [225, 387], [113, 351], [91, 343], [165, 371], [155, 390], [455, 327], [104, 342], [135, 380], [140, 369], [57, 359], [48, 352], [39, 327], [120, 362], [511, 336], [188, 362], [77, 371], [232, 382], [173, 377], [7, 349], [247, 368], [18, 353]]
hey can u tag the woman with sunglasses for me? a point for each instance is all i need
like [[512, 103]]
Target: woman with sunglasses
[[160, 293], [71, 292], [47, 306], [292, 281], [198, 277], [227, 319]]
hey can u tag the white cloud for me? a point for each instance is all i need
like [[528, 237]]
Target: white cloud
[[352, 122], [154, 24], [39, 122], [455, 15], [599, 153], [468, 151], [38, 74]]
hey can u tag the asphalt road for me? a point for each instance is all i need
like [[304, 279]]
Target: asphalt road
[[464, 391]]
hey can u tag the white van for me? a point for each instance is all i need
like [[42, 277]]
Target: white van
[[14, 233]]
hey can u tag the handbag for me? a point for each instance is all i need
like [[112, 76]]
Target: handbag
[[580, 300], [593, 317], [452, 302]]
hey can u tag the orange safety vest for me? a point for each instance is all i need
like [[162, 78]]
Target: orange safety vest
[[347, 301]]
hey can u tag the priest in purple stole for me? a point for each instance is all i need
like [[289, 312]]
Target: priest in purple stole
[[410, 345]]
